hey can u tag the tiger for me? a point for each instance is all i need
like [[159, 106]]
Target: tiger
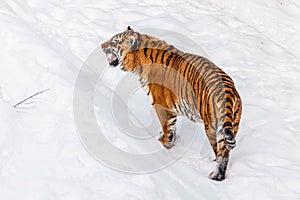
[[181, 84]]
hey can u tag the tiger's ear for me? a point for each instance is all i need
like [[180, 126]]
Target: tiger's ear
[[130, 41], [129, 28]]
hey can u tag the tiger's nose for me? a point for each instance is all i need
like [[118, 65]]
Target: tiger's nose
[[106, 48], [105, 45]]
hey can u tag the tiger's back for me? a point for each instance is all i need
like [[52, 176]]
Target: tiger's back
[[183, 84]]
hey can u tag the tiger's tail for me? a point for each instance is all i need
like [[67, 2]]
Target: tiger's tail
[[229, 138], [230, 122]]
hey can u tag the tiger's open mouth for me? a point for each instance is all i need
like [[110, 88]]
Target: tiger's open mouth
[[112, 59]]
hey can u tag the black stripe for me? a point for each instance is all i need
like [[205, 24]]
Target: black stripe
[[190, 64], [226, 124], [221, 96], [207, 74], [226, 100], [170, 135], [212, 82], [228, 92], [162, 56], [151, 58], [177, 61], [173, 116], [229, 107], [145, 52], [174, 104], [222, 140], [172, 123], [227, 115], [186, 68], [169, 58], [236, 112]]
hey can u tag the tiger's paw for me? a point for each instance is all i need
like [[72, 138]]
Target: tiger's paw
[[217, 176], [167, 144]]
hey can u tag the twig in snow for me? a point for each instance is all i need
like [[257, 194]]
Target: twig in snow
[[30, 97]]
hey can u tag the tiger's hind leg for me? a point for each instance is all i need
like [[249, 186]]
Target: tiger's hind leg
[[225, 142], [167, 121], [222, 155], [212, 138]]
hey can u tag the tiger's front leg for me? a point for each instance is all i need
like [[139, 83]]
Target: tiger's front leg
[[168, 123]]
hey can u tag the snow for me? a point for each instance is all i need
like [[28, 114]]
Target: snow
[[43, 45]]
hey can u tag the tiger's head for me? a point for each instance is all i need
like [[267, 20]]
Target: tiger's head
[[118, 46]]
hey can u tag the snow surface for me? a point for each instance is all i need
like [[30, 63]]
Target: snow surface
[[43, 45]]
